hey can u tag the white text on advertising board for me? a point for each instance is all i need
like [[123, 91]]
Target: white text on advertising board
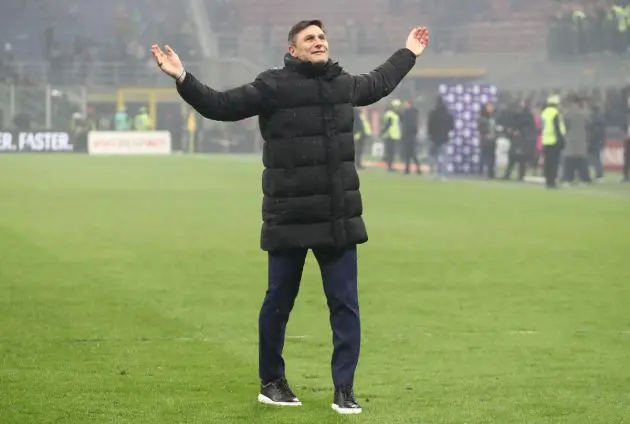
[[129, 142]]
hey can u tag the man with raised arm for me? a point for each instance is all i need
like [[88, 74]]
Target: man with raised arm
[[310, 186]]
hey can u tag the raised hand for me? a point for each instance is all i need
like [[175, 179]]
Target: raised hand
[[418, 40], [168, 61]]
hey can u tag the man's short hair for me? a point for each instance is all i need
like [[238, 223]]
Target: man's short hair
[[301, 26]]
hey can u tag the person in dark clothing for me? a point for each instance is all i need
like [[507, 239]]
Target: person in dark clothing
[[310, 186], [596, 129], [521, 130], [536, 159], [439, 125], [79, 131], [576, 149], [22, 121], [626, 161], [507, 121], [487, 129], [531, 133], [625, 128], [410, 118]]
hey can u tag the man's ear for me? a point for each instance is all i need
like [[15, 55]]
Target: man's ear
[[292, 50]]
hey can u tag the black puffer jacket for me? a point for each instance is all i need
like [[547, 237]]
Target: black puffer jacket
[[310, 184]]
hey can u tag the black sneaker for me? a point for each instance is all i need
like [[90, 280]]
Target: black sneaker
[[344, 402], [278, 393]]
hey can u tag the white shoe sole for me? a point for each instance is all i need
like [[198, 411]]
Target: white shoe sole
[[264, 399], [345, 411]]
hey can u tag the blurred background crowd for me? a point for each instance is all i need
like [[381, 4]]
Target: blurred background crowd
[[72, 61]]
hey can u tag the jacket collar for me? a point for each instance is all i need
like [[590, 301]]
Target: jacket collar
[[327, 71]]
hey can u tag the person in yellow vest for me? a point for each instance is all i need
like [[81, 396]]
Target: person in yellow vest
[[143, 122], [362, 134], [391, 133], [191, 130], [622, 16], [553, 141], [610, 28]]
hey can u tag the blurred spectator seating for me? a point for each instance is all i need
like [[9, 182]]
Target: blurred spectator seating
[[377, 25], [78, 37]]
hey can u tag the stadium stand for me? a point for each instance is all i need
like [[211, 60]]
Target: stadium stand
[[99, 41], [371, 27]]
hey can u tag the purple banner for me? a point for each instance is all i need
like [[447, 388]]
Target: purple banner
[[464, 101]]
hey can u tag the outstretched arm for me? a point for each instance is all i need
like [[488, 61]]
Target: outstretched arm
[[231, 105], [370, 88]]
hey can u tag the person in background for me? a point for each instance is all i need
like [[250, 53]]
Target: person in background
[[410, 118], [191, 131], [576, 150], [91, 118], [439, 125], [596, 129], [538, 148], [79, 129], [625, 93], [121, 119], [391, 133], [362, 133], [553, 139], [22, 121], [143, 120], [487, 129], [521, 130], [626, 161]]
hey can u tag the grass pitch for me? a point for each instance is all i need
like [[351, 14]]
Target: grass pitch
[[130, 291]]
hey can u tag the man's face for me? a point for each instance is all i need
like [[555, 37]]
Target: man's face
[[310, 45]]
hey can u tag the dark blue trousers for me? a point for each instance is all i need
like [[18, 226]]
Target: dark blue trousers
[[339, 275]]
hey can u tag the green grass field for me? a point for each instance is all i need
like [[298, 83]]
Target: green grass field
[[130, 291]]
